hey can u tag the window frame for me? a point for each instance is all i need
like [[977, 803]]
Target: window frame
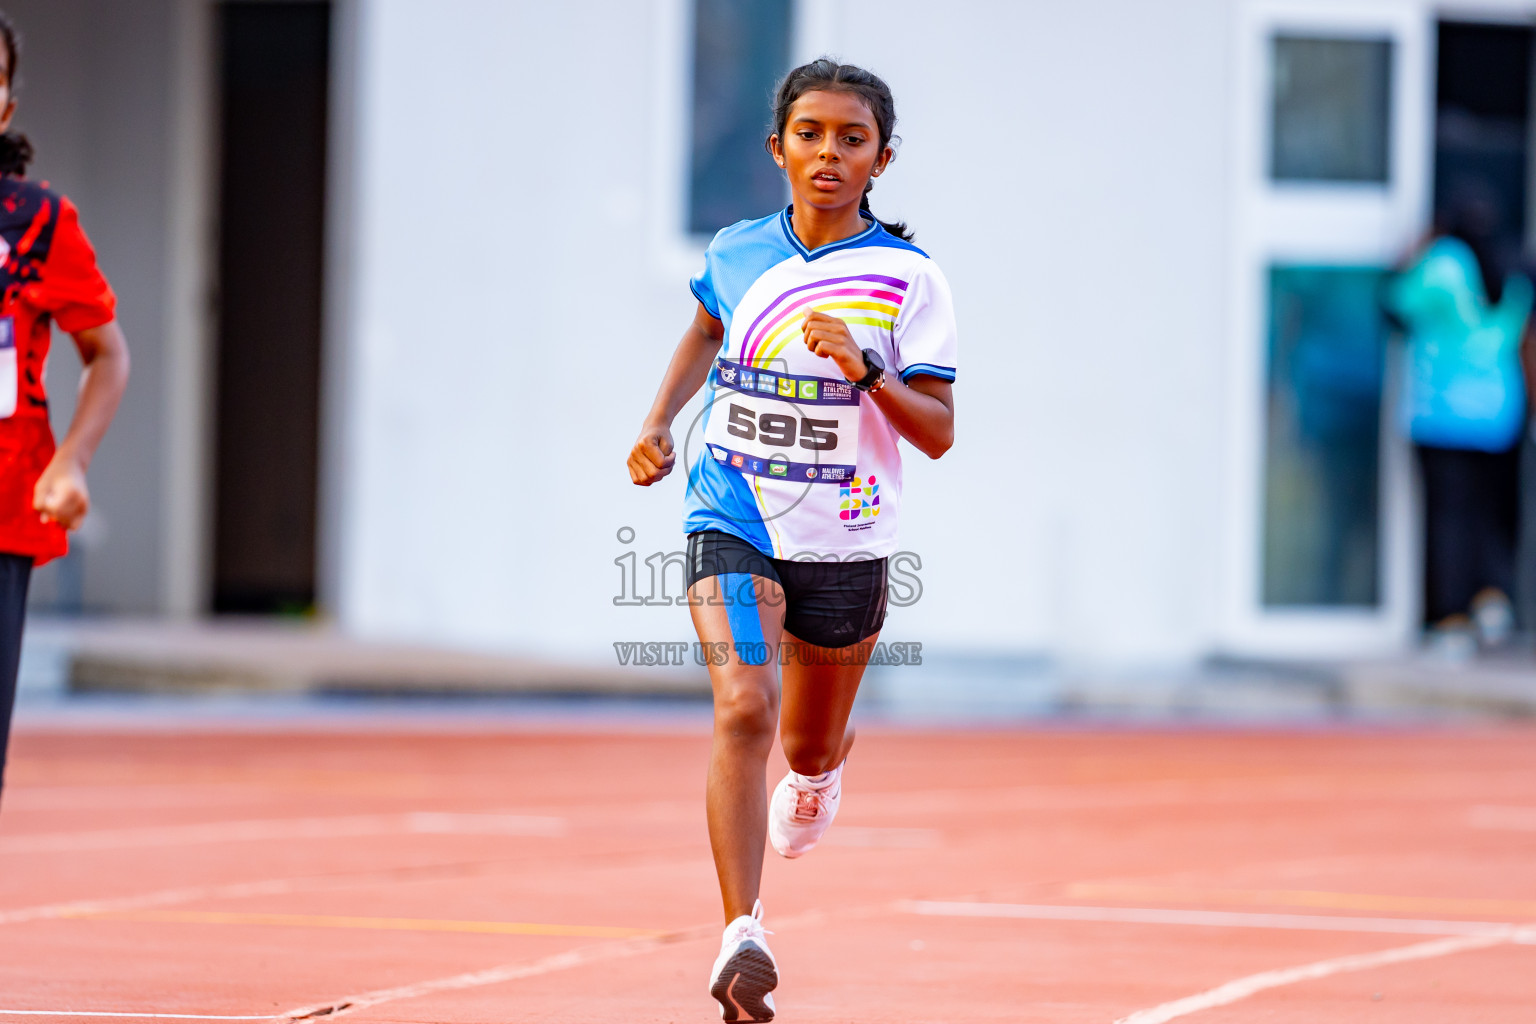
[[1318, 223], [676, 252], [1271, 153]]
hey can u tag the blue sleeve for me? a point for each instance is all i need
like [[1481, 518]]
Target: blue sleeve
[[737, 256], [703, 283]]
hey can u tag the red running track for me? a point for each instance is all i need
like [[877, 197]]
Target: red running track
[[1023, 876]]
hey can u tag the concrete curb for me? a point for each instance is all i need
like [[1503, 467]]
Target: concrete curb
[[222, 658]]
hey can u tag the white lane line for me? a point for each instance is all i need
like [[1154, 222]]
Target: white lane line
[[1205, 918], [419, 823], [1242, 988], [493, 975], [558, 962], [228, 890], [135, 1016], [164, 897]]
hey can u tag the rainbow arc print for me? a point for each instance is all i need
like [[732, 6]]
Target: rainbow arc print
[[869, 299]]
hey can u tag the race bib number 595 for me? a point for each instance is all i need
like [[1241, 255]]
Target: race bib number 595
[[783, 426]]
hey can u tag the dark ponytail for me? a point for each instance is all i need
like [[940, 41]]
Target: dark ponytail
[[15, 148], [827, 75]]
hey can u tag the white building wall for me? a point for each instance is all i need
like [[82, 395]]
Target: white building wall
[[516, 288], [1066, 163]]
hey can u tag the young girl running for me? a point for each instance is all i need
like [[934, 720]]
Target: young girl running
[[793, 498], [48, 275]]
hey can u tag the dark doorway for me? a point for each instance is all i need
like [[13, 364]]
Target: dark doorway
[[1482, 191], [275, 77], [1482, 122]]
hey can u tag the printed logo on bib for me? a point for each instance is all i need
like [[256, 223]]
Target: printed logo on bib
[[859, 503], [783, 425]]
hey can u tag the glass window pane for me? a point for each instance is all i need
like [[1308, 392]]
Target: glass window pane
[[741, 49], [1333, 106], [1327, 345]]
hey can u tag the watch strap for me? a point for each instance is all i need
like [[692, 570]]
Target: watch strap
[[873, 371]]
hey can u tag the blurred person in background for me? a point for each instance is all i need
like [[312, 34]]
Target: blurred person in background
[[49, 275], [1463, 316]]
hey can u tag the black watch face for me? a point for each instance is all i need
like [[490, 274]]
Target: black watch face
[[872, 359]]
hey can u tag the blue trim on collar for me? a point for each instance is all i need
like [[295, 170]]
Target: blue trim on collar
[[830, 247]]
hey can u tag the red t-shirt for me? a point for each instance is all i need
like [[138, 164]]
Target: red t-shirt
[[48, 276]]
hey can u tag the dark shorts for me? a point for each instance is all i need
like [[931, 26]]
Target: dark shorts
[[15, 573], [829, 604]]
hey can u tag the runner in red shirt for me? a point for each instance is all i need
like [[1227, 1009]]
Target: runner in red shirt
[[48, 275]]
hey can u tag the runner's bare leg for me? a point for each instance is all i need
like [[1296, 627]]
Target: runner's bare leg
[[818, 694], [746, 714]]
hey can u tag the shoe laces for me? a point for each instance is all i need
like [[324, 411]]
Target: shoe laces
[[750, 926], [809, 804]]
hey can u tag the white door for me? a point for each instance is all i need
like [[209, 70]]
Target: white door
[[1332, 111]]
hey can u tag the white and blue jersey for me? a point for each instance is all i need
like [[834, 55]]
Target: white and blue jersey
[[791, 457]]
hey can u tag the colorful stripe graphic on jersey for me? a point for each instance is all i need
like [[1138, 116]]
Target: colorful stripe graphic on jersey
[[872, 300]]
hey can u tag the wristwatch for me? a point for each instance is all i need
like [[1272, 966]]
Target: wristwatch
[[874, 376]]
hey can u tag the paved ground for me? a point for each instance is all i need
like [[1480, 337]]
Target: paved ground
[[518, 874]]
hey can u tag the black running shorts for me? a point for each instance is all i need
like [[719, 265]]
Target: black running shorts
[[829, 604], [15, 573]]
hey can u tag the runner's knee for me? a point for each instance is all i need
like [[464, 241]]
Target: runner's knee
[[746, 713], [811, 755]]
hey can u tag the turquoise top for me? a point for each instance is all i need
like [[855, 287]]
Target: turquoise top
[[1463, 382]]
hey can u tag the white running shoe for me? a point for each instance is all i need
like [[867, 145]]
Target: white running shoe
[[802, 809], [745, 971]]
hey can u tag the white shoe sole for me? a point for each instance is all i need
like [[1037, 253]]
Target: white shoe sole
[[743, 983]]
